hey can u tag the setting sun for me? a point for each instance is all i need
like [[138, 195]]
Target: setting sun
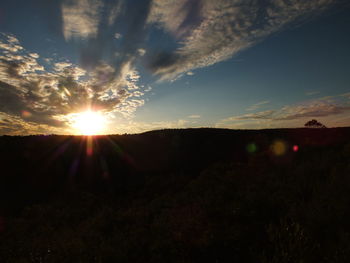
[[89, 123]]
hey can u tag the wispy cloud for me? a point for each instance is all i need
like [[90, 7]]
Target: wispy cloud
[[322, 107], [213, 31], [311, 93], [194, 116], [114, 11], [80, 18], [316, 109], [263, 115], [205, 31], [257, 105], [346, 95], [94, 26]]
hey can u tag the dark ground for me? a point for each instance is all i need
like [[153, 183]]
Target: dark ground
[[194, 195]]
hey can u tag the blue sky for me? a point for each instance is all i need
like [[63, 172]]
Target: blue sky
[[155, 64]]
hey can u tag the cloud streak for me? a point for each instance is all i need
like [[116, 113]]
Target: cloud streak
[[258, 105], [80, 18], [204, 32], [213, 31], [328, 107]]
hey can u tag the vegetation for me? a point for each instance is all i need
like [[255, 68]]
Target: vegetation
[[197, 195], [314, 124]]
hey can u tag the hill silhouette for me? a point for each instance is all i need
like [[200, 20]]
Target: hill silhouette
[[184, 195]]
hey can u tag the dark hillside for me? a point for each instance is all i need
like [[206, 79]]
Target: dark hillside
[[194, 195]]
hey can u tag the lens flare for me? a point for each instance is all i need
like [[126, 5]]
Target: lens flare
[[251, 148], [279, 148], [89, 146], [295, 148]]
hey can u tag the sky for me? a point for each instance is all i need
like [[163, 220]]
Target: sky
[[152, 64]]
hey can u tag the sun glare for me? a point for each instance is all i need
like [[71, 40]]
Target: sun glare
[[89, 123]]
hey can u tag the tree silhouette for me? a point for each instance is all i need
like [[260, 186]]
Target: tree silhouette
[[314, 124]]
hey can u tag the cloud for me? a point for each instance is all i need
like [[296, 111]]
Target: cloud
[[204, 32], [316, 109], [176, 17], [61, 66], [12, 39], [94, 25], [311, 93], [31, 95], [10, 43], [213, 31], [117, 35], [15, 125], [194, 116], [264, 115], [141, 51], [34, 55], [327, 107], [9, 47], [346, 95], [258, 105], [80, 18], [115, 10]]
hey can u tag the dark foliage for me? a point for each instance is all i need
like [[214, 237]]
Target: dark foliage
[[314, 124], [194, 195]]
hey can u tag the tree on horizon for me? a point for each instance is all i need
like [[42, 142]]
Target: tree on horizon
[[314, 124]]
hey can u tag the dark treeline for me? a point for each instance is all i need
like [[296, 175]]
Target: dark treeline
[[194, 195]]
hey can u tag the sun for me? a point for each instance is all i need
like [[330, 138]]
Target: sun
[[89, 123]]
